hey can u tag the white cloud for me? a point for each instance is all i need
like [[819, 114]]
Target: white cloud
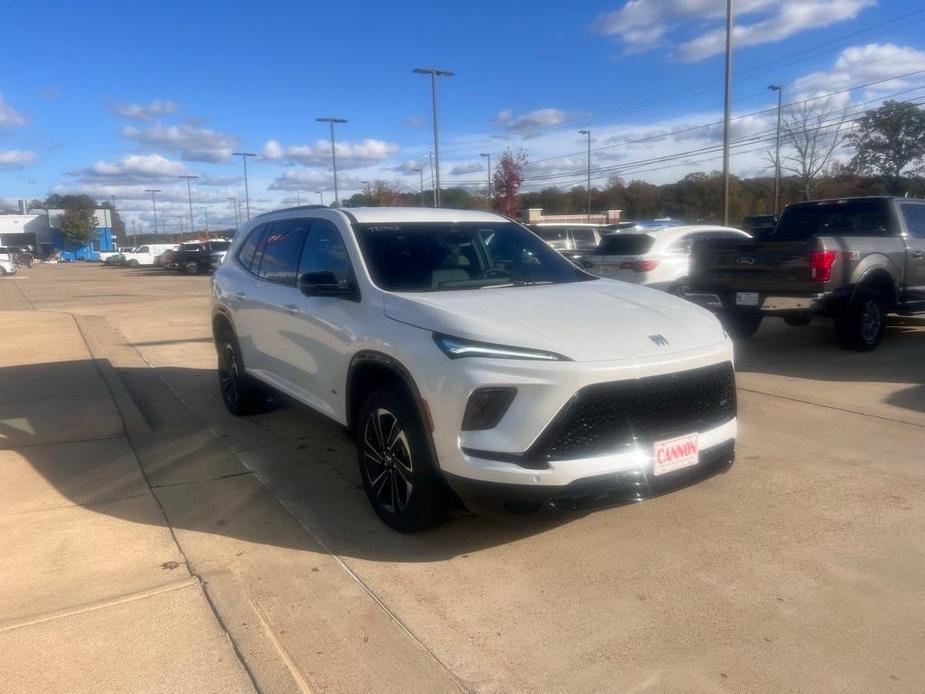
[[9, 118], [466, 168], [134, 167], [862, 65], [350, 155], [17, 158], [144, 112], [641, 25], [528, 124], [194, 143]]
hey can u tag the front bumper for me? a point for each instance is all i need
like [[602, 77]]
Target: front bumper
[[595, 491]]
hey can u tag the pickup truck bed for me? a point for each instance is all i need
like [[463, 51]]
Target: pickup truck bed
[[851, 261]]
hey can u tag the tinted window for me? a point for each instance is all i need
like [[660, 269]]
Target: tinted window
[[219, 245], [915, 219], [835, 218], [438, 256], [282, 246], [550, 234], [584, 238], [249, 248], [625, 244], [324, 251]]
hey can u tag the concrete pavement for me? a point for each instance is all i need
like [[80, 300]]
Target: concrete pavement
[[798, 570]]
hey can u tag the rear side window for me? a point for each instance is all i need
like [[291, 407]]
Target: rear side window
[[218, 245], [834, 218], [584, 237], [915, 219], [249, 248], [625, 244], [548, 234], [324, 251], [282, 247]]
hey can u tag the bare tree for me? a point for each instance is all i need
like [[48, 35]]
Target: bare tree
[[811, 132]]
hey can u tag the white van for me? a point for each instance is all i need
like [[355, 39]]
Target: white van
[[149, 254]]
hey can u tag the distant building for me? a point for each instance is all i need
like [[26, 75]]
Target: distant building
[[534, 215], [39, 230]]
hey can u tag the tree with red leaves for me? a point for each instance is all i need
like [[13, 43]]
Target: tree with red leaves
[[509, 176]]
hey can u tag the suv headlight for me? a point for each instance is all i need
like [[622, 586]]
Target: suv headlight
[[457, 348]]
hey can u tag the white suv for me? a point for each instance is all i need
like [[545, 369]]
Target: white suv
[[468, 358]]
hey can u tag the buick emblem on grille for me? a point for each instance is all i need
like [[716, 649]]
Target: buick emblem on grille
[[659, 340], [745, 260]]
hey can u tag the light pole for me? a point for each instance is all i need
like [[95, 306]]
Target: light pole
[[189, 194], [588, 133], [430, 158], [491, 198], [727, 110], [234, 200], [205, 213], [434, 74], [321, 193], [153, 192], [298, 196], [421, 193], [179, 218], [247, 197], [331, 121], [780, 101]]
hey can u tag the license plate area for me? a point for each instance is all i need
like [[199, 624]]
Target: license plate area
[[746, 298], [675, 454]]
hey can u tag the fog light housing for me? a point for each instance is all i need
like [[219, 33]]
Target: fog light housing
[[486, 407]]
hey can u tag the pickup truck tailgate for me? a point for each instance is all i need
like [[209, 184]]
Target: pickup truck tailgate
[[757, 265]]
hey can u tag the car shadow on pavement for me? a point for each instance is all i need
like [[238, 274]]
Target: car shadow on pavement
[[214, 473], [813, 353]]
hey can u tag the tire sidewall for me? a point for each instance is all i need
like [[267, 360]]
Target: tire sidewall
[[850, 326]]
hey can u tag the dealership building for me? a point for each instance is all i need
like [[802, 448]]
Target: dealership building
[[39, 231]]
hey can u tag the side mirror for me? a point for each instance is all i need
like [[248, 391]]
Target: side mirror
[[324, 283]]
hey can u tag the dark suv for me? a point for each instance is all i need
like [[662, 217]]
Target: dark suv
[[196, 256]]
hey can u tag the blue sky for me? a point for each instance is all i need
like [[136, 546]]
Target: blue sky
[[115, 98]]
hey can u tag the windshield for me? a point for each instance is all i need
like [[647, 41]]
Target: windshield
[[428, 257]]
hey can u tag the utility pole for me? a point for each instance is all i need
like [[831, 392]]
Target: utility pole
[[780, 102], [153, 192], [588, 133], [421, 191], [189, 193], [247, 197], [727, 112], [434, 74], [205, 213], [331, 122], [491, 198]]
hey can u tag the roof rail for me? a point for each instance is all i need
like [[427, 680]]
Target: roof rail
[[290, 209]]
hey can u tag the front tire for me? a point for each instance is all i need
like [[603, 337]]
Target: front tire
[[191, 267], [741, 324], [860, 327], [242, 397], [132, 263], [398, 470]]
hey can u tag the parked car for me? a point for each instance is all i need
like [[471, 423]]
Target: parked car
[[464, 354], [852, 260], [196, 256], [7, 265], [658, 259], [148, 255], [568, 237], [16, 255]]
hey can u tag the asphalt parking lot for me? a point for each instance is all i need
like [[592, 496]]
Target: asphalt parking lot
[[799, 569]]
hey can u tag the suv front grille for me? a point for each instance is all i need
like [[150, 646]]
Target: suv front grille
[[606, 417]]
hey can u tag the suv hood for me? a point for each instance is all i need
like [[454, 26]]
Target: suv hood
[[598, 320]]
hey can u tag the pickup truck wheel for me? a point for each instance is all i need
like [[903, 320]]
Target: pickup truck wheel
[[741, 324], [396, 465], [132, 263], [860, 327], [191, 267], [240, 394]]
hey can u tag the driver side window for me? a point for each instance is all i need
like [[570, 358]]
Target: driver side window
[[324, 251]]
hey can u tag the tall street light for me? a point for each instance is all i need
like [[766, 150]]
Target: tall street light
[[491, 198], [234, 200], [321, 193], [247, 197], [588, 133], [430, 158], [421, 193], [780, 101], [434, 74], [189, 193], [205, 213], [153, 192], [727, 110], [331, 121]]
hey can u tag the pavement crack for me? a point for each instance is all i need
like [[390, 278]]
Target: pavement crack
[[210, 479]]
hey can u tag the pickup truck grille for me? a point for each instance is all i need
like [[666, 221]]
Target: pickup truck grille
[[606, 417]]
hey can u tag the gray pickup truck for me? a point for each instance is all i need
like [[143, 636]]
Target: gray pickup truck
[[850, 261]]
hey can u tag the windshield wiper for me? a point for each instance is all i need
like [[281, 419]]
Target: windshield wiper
[[518, 283]]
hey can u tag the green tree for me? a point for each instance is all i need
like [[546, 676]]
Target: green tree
[[77, 225], [890, 142]]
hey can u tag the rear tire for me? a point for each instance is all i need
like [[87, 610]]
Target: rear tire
[[860, 327], [240, 393], [132, 263], [741, 324], [397, 467], [191, 267]]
